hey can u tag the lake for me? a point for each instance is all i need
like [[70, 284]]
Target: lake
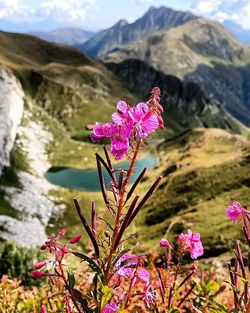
[[88, 179]]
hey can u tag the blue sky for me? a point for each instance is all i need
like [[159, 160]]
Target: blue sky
[[27, 15]]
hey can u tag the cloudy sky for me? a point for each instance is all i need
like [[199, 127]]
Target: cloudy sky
[[27, 15]]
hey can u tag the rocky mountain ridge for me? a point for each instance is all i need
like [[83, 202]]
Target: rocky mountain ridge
[[123, 33], [203, 52]]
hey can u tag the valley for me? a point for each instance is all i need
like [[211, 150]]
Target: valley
[[203, 153]]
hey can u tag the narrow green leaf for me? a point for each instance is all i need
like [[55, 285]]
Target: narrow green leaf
[[95, 268], [71, 278]]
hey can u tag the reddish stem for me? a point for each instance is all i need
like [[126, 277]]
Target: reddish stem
[[107, 273]]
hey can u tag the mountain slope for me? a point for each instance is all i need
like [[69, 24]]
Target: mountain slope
[[186, 104], [200, 51], [204, 171], [123, 33], [68, 36]]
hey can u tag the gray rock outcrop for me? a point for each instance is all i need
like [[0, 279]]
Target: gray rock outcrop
[[11, 111]]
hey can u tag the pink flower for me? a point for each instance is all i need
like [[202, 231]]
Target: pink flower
[[43, 309], [234, 211], [150, 296], [195, 244], [191, 241], [75, 239], [182, 238], [164, 243], [110, 308], [119, 147], [39, 265], [125, 264], [102, 131], [122, 115], [145, 121], [143, 276]]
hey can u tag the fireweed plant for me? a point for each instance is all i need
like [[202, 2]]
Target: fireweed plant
[[239, 271], [121, 280]]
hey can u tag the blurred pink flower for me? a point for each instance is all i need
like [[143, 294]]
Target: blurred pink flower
[[110, 308], [164, 243], [43, 309], [196, 248], [62, 232], [126, 264], [143, 276], [191, 241], [234, 211], [182, 238]]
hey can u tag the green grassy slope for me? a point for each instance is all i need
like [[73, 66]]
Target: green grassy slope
[[204, 171]]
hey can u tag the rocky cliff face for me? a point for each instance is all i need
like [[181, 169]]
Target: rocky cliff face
[[11, 111], [186, 104], [27, 195]]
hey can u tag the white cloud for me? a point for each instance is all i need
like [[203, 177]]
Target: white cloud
[[69, 11], [234, 10], [14, 9], [72, 10], [141, 1]]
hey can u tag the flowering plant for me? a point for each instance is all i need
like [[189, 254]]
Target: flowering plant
[[239, 271], [120, 280]]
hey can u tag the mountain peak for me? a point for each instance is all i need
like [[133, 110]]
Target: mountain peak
[[123, 33], [121, 23]]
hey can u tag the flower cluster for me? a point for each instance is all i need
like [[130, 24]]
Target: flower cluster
[[129, 270], [59, 252], [129, 124], [192, 242], [235, 211]]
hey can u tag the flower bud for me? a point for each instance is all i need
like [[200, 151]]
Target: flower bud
[[165, 244], [62, 232], [75, 239], [38, 274], [193, 267], [43, 247], [65, 250], [43, 309], [39, 265]]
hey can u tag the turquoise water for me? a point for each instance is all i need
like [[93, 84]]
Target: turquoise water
[[88, 179]]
